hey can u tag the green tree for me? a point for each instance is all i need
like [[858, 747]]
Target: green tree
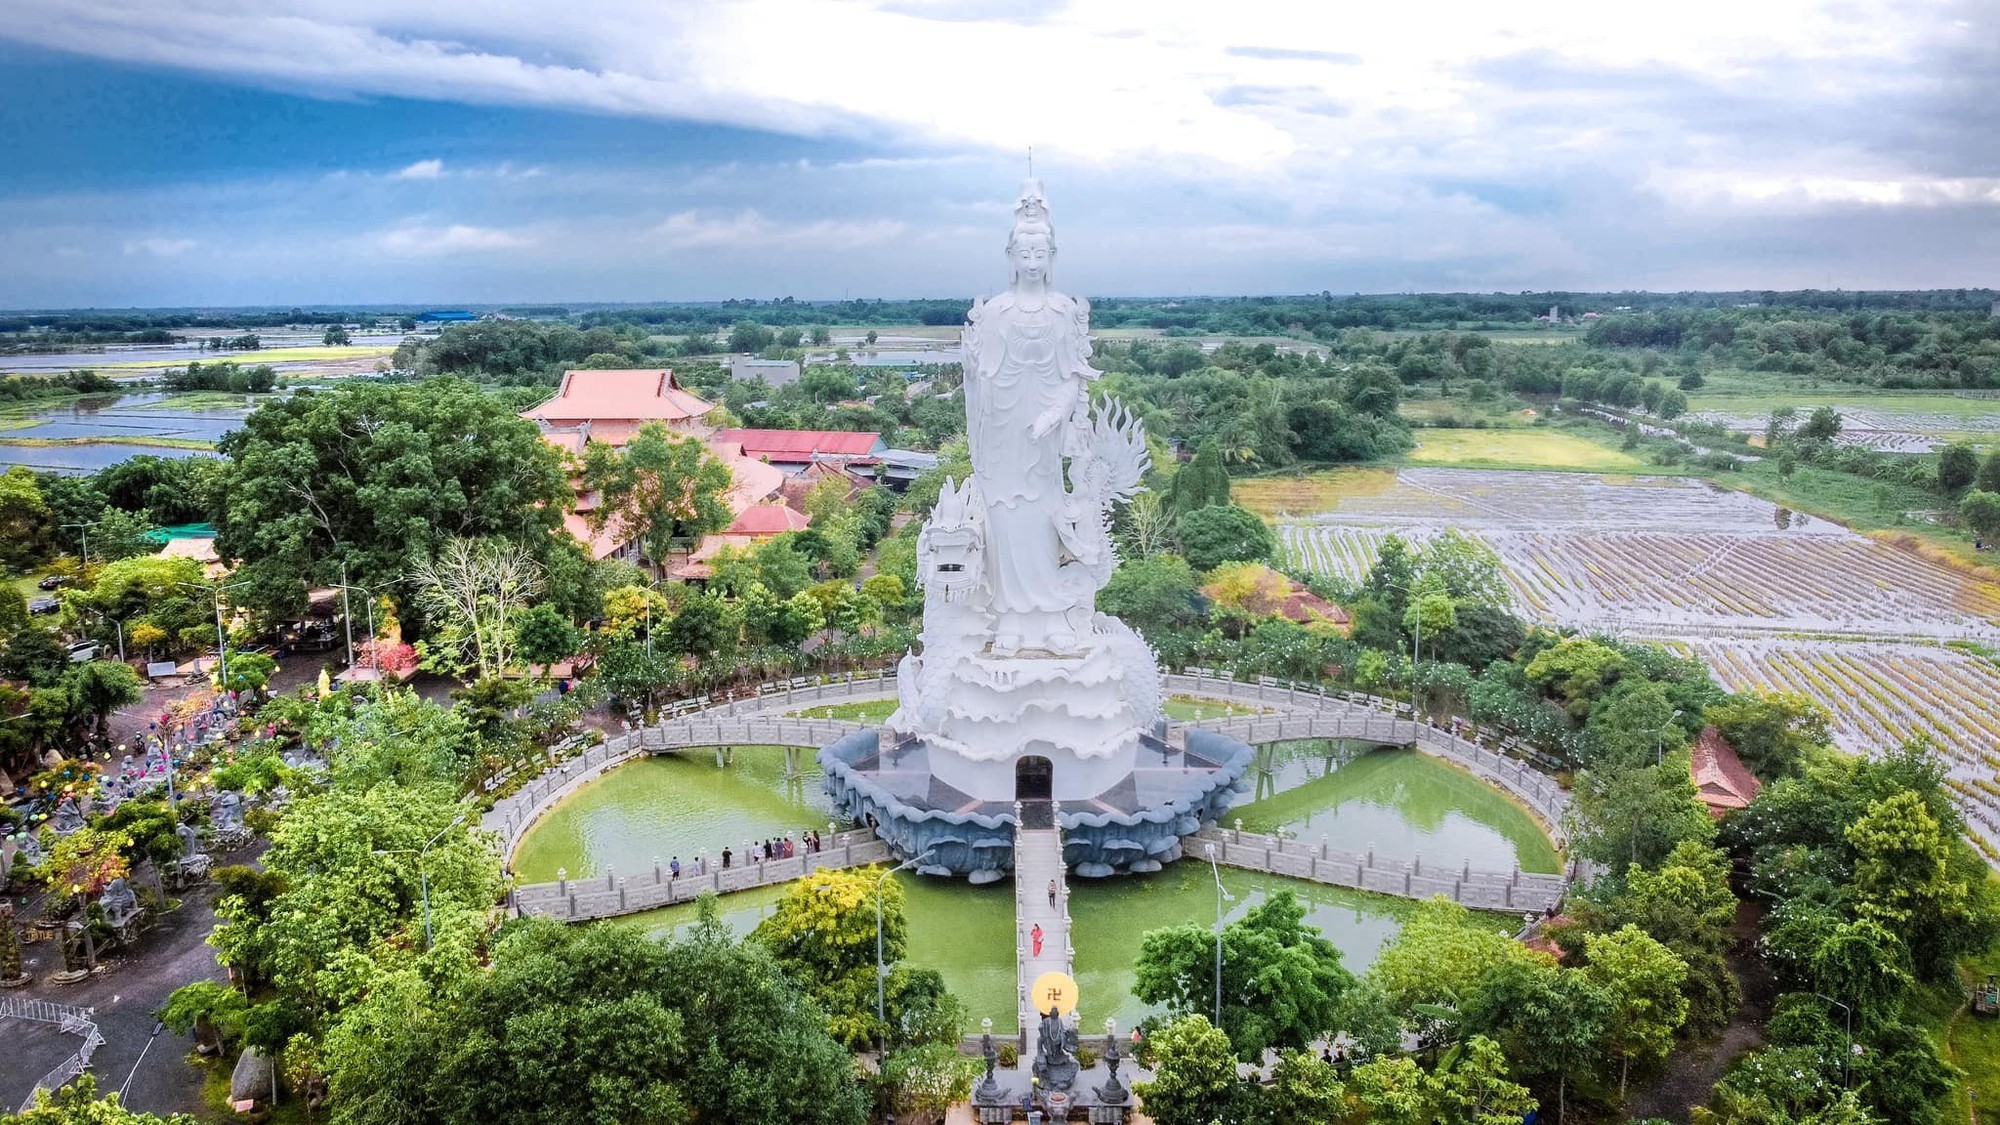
[[1988, 479], [1304, 1088], [1194, 1075], [1627, 816], [92, 691], [1772, 732], [336, 336], [1223, 533], [1158, 596], [1980, 511], [1643, 979], [24, 518], [1392, 1091], [209, 1010], [1634, 724], [1821, 426], [1281, 981], [1957, 467], [823, 933], [1430, 615], [1443, 956], [375, 476], [543, 635], [662, 489], [1576, 670], [1472, 1087], [1464, 568], [1551, 1022], [929, 1079], [1201, 483]]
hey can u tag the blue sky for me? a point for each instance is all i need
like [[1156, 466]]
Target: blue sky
[[221, 152]]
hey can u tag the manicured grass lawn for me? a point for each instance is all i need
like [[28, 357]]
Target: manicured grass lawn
[[867, 711], [1529, 448], [1187, 709]]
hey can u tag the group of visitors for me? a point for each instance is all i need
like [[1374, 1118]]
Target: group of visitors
[[758, 851]]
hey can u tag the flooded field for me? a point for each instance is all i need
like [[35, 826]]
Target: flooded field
[[1770, 598], [88, 434]]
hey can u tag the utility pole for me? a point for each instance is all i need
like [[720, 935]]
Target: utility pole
[[83, 530]]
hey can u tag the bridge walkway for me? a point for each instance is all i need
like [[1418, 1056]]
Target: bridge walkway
[[1038, 864]]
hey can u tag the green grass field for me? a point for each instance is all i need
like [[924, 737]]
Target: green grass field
[[267, 355], [1521, 448]]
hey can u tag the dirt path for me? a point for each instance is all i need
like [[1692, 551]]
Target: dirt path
[[1694, 1068]]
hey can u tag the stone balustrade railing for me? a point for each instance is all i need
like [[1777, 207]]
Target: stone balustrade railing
[[612, 894], [1478, 890], [1315, 713], [763, 717]]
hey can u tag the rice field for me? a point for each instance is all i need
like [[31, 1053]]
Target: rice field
[[1518, 448], [1656, 556], [1769, 598]]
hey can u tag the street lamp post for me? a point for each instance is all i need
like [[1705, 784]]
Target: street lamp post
[[423, 874], [1847, 1059], [882, 970], [83, 531], [221, 633], [374, 650], [1221, 893], [1659, 756]]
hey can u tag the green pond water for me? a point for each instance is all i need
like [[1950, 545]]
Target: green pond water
[[966, 932], [1406, 804], [1403, 802]]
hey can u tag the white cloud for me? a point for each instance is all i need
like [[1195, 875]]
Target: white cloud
[[418, 240], [748, 228], [422, 170], [160, 247], [1099, 80]]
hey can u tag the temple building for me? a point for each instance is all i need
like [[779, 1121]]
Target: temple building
[[609, 407]]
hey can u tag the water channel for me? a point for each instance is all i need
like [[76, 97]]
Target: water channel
[[1402, 802]]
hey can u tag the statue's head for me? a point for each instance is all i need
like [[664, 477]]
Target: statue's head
[[1031, 246]]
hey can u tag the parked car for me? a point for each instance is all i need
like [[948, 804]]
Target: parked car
[[82, 652], [51, 582], [43, 605]]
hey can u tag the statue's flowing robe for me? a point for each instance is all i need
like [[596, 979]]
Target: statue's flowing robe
[[1021, 365]]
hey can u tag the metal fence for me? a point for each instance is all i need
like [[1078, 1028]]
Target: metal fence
[[71, 1021]]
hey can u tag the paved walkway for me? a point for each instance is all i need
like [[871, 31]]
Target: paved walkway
[[1037, 864]]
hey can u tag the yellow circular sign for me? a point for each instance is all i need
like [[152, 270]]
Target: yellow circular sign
[[1053, 990]]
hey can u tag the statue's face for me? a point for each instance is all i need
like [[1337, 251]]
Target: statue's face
[[1031, 257]]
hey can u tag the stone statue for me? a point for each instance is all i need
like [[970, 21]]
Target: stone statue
[[119, 903], [228, 810], [989, 1086], [1015, 659], [1055, 1053], [190, 840], [69, 817]]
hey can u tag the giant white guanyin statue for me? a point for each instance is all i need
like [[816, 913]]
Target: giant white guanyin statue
[[1016, 661]]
